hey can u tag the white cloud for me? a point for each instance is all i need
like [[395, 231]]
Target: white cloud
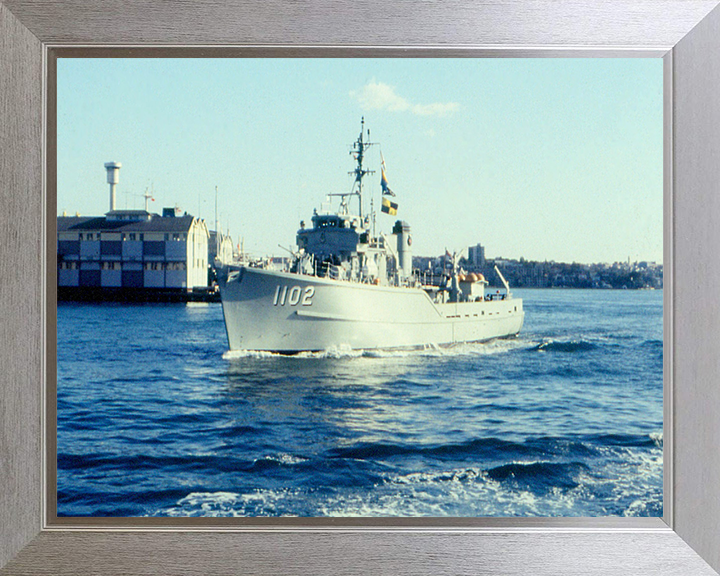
[[379, 96]]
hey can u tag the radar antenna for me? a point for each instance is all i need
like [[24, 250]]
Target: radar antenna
[[359, 148]]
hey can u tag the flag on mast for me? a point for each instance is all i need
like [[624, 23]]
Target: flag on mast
[[389, 207], [383, 178]]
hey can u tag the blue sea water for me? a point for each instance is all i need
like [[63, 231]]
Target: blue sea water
[[156, 418]]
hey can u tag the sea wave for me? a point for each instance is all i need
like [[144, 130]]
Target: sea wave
[[539, 476], [626, 486], [567, 346], [491, 448]]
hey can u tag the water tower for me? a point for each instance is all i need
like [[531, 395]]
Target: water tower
[[113, 177]]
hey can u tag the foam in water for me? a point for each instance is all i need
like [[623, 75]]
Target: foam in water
[[238, 354], [227, 504], [657, 438], [284, 459], [500, 346], [626, 484]]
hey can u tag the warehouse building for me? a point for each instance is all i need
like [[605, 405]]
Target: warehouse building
[[132, 254]]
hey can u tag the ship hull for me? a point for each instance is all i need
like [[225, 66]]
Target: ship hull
[[289, 313]]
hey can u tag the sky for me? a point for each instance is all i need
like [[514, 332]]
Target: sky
[[544, 159]]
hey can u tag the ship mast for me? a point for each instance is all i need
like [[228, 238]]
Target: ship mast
[[358, 150]]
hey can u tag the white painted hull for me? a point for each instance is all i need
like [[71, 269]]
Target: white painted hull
[[283, 312]]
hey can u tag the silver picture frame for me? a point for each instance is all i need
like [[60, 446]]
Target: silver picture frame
[[685, 33]]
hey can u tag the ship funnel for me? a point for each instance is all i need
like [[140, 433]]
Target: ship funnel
[[113, 177], [404, 248]]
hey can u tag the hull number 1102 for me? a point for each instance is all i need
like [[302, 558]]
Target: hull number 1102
[[293, 296]]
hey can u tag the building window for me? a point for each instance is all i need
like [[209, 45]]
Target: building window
[[132, 236]]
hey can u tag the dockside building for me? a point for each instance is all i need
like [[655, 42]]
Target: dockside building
[[220, 248], [132, 254]]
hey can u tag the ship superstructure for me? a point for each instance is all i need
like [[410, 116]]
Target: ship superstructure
[[349, 286]]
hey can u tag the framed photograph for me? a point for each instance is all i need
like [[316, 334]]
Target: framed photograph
[[383, 363], [38, 537]]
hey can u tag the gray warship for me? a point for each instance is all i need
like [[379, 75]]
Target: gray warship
[[351, 288]]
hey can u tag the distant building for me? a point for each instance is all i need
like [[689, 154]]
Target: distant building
[[131, 252], [278, 263], [476, 256], [220, 247]]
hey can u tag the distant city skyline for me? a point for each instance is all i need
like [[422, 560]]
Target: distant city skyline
[[542, 159]]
